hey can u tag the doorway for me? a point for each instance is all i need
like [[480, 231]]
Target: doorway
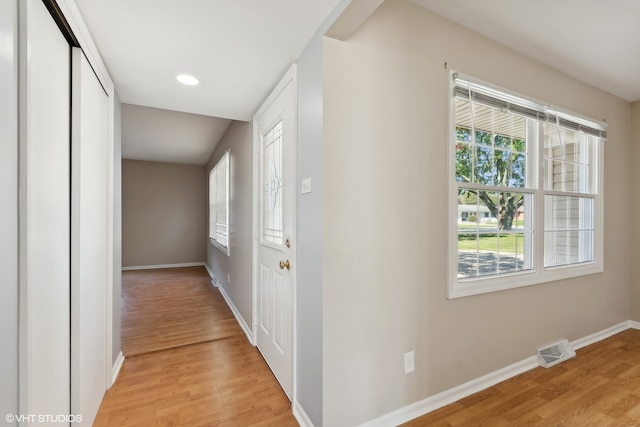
[[274, 268]]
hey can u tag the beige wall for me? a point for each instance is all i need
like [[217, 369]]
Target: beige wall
[[164, 208], [386, 102], [635, 209], [233, 271]]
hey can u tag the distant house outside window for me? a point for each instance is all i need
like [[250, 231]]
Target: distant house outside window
[[219, 204]]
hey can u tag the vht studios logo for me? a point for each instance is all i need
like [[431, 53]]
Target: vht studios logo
[[43, 418]]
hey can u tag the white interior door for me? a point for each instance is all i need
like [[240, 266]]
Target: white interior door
[[44, 213], [88, 240], [274, 270]]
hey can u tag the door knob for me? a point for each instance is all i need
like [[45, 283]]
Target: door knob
[[285, 264]]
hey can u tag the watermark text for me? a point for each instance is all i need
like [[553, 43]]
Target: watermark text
[[43, 418]]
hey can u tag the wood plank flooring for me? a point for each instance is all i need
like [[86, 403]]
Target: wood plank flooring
[[187, 363], [171, 307], [600, 387]]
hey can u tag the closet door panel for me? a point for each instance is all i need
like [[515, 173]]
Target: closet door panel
[[44, 214], [89, 208]]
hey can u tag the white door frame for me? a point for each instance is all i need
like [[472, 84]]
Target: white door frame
[[290, 77]]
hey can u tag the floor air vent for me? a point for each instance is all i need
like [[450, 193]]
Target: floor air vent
[[555, 353]]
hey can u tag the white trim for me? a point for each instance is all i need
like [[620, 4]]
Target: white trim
[[111, 162], [83, 35], [153, 267], [300, 415], [634, 325], [115, 370], [599, 336], [247, 330], [422, 407], [213, 276], [417, 409]]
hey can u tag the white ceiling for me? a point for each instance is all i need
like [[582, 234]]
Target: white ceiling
[[595, 41], [238, 49]]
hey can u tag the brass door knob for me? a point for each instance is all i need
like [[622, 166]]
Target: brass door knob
[[285, 264]]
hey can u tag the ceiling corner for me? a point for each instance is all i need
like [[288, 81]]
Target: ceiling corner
[[353, 16]]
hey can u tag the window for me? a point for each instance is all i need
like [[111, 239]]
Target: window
[[219, 204], [525, 191], [272, 229]]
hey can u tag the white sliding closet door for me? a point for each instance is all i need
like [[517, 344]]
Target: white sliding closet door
[[44, 214], [9, 208], [89, 192]]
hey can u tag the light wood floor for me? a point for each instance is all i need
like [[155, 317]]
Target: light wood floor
[[600, 387], [187, 363], [171, 307]]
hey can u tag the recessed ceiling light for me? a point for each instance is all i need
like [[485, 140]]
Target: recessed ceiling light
[[188, 80]]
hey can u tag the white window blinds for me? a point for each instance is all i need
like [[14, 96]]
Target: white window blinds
[[465, 88], [219, 202]]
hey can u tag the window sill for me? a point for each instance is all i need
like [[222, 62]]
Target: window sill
[[459, 289], [223, 249]]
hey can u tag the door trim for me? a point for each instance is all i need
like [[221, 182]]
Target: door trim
[[290, 77]]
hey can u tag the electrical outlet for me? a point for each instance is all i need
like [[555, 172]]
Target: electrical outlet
[[409, 363], [228, 278]]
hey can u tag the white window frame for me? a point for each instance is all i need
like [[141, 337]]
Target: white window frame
[[217, 201], [538, 273]]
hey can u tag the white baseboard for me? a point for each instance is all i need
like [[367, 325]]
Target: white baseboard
[[417, 409], [116, 368], [634, 325], [247, 330], [447, 397], [301, 416], [213, 276], [599, 336], [153, 267]]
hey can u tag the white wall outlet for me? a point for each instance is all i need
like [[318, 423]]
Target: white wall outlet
[[228, 278], [409, 363]]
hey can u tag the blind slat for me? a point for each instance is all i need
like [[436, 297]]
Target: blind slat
[[462, 90]]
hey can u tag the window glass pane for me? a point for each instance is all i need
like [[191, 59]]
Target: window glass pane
[[517, 169], [494, 234], [272, 219], [222, 202], [490, 146], [212, 204], [464, 166], [566, 160], [568, 230], [484, 166]]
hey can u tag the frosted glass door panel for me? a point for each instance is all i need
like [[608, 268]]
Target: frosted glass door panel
[[272, 181]]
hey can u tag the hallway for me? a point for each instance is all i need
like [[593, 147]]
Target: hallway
[[187, 362]]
